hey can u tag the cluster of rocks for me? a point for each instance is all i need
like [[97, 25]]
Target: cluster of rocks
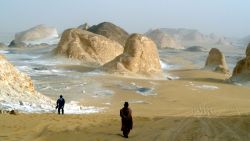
[[216, 62], [110, 47]]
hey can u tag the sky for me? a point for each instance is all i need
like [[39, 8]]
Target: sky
[[224, 17]]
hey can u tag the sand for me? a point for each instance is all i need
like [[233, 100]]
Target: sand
[[47, 127], [201, 106]]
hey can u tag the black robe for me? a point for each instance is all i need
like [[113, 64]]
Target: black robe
[[127, 120]]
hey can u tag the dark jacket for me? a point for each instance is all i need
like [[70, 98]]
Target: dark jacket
[[60, 103]]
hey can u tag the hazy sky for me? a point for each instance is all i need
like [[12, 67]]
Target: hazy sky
[[225, 17]]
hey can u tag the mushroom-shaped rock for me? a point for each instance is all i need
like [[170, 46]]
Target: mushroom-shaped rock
[[110, 31], [241, 71], [140, 56], [216, 61], [163, 40], [90, 48]]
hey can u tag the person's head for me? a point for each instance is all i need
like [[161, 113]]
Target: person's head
[[61, 96], [126, 104]]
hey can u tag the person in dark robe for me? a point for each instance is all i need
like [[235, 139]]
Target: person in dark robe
[[60, 104], [127, 120]]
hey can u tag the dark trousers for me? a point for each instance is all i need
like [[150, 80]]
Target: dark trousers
[[59, 109]]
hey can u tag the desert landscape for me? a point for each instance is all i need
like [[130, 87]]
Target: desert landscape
[[181, 84]]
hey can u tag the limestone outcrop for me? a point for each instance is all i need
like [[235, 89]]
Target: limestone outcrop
[[90, 48], [140, 56], [110, 31], [241, 71], [216, 61], [10, 75], [39, 32], [17, 90]]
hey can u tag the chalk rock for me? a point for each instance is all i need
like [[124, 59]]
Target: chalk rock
[[241, 71], [87, 47], [140, 56], [216, 61], [110, 31]]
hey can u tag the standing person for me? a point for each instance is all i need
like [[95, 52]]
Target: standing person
[[60, 104], [127, 120]]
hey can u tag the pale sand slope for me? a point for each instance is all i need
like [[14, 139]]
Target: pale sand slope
[[183, 110]]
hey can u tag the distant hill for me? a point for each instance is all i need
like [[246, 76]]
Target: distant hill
[[183, 34], [191, 37], [163, 40]]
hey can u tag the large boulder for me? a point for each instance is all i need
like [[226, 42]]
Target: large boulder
[[17, 90], [163, 40], [110, 31], [40, 32], [241, 71], [216, 61], [140, 56], [90, 48]]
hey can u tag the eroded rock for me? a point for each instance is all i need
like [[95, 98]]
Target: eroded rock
[[90, 48], [140, 56], [110, 31], [216, 61]]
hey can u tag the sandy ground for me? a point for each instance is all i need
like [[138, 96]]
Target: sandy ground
[[101, 127], [201, 106]]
